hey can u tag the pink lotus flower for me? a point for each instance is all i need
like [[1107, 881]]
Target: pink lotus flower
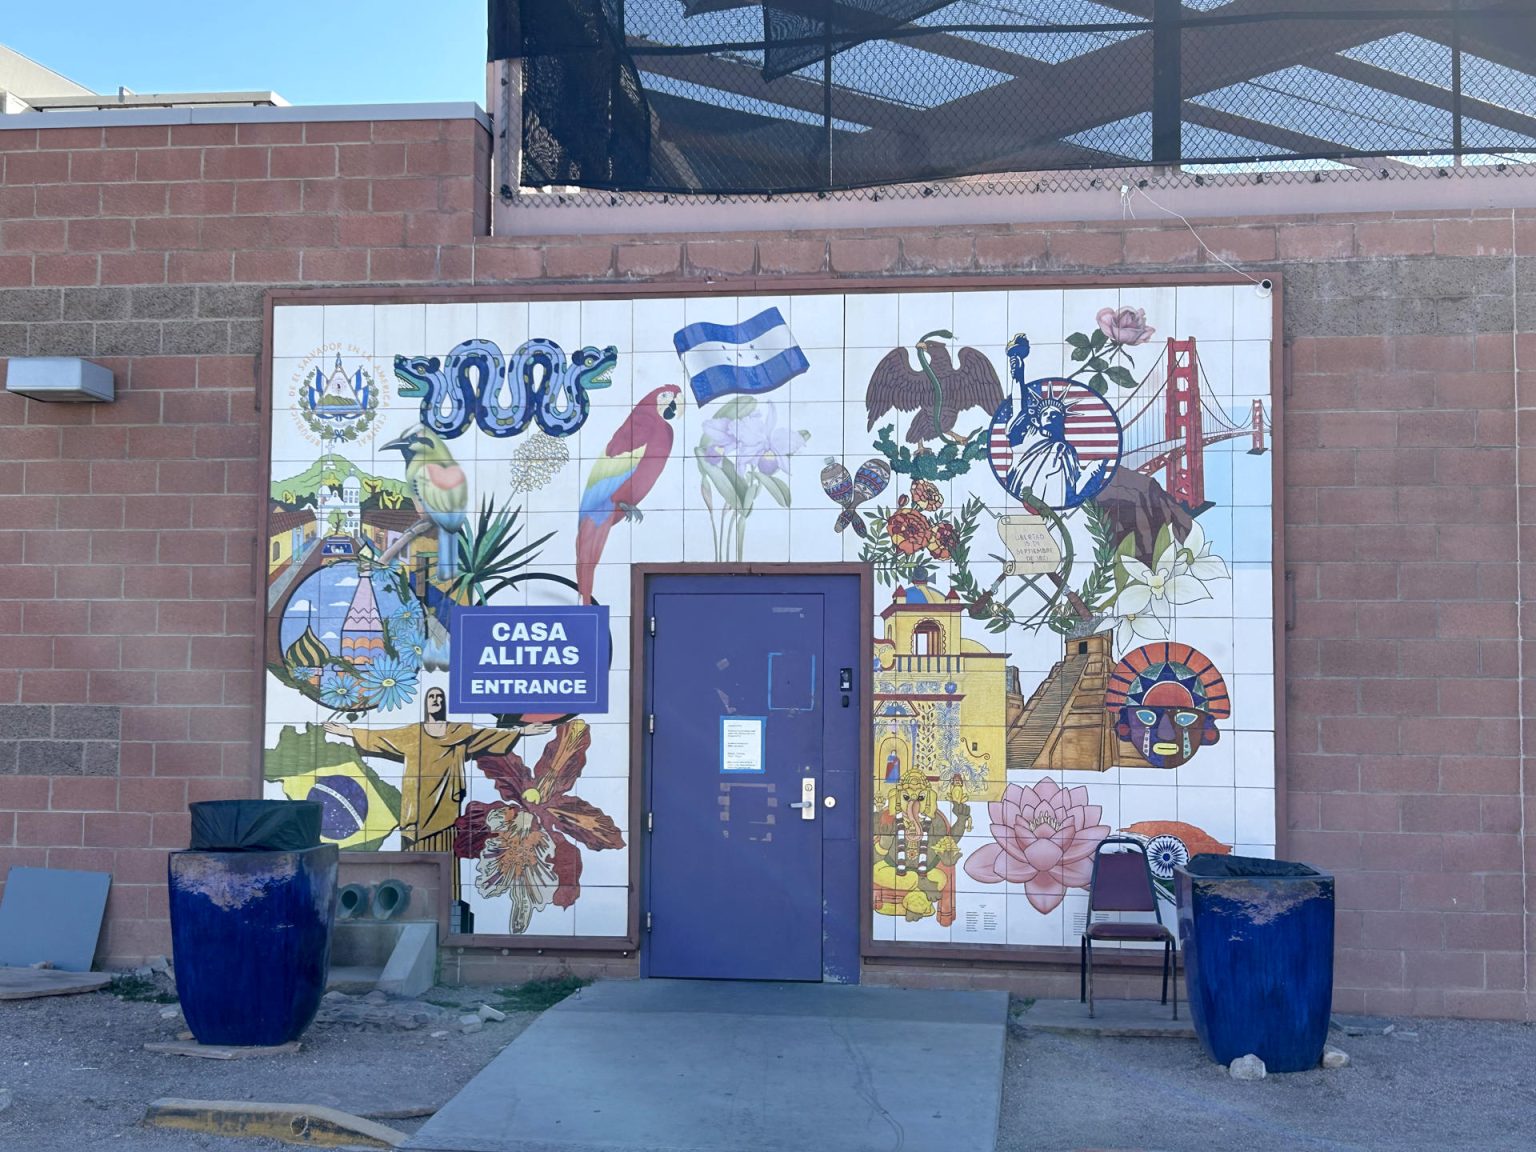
[[1046, 836], [1126, 327]]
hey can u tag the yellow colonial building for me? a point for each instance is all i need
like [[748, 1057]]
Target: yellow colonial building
[[941, 700], [289, 536]]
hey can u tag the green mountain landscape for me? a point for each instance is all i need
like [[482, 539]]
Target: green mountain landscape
[[307, 484]]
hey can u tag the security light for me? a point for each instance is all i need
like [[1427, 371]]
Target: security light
[[58, 378]]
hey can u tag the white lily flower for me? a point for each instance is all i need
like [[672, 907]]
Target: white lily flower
[[1135, 627], [1171, 577], [1168, 582], [1133, 598], [1196, 554], [1169, 557], [1181, 588]]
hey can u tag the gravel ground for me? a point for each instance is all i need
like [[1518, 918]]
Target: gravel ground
[[1458, 1085], [80, 1079]]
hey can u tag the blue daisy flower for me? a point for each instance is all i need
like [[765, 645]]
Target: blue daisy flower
[[340, 688], [389, 684], [407, 628]]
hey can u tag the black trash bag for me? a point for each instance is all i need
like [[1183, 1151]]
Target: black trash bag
[[1245, 867], [255, 825]]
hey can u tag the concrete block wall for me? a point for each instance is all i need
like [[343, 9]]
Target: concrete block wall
[[129, 579]]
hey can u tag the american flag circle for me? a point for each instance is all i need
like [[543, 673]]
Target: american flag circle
[[1091, 429]]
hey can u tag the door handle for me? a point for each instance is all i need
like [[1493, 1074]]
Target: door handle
[[807, 801]]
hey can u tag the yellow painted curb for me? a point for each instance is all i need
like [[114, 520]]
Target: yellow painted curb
[[291, 1123]]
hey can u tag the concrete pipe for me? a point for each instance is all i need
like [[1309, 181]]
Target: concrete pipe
[[390, 899]]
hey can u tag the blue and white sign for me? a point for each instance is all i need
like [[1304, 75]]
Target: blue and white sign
[[524, 659]]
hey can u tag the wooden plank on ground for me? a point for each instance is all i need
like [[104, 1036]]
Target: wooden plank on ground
[[219, 1051], [29, 983], [291, 1123]]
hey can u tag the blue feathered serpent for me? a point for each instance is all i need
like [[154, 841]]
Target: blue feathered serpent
[[539, 385]]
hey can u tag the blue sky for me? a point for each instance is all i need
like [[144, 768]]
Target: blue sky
[[307, 51]]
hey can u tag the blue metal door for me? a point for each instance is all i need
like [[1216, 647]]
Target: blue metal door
[[752, 784]]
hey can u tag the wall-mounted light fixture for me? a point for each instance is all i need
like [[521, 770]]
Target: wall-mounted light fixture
[[58, 378]]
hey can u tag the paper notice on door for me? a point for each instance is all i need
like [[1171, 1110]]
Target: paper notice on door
[[742, 744]]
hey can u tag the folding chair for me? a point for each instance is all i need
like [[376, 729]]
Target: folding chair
[[1122, 882]]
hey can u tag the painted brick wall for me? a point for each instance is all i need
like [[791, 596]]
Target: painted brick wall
[[127, 577], [128, 530]]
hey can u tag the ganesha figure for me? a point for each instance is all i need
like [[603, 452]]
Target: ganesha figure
[[917, 847]]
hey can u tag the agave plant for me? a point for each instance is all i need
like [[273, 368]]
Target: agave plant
[[490, 559]]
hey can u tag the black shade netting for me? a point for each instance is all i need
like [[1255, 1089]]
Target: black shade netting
[[742, 97]]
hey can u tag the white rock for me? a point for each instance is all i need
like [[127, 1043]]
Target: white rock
[[487, 1013], [1334, 1057], [169, 1013], [439, 1035], [474, 1024], [1248, 1067]]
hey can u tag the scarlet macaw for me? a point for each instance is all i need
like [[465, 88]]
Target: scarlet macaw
[[622, 477]]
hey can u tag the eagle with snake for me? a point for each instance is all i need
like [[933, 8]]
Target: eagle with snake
[[938, 391]]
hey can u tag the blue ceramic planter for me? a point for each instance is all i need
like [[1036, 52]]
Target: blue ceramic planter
[[1257, 937], [252, 934]]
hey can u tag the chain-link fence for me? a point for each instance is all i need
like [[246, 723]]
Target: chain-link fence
[[736, 97]]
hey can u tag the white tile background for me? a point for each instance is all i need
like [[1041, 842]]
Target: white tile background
[[1227, 789]]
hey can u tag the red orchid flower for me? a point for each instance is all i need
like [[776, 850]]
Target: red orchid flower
[[542, 795]]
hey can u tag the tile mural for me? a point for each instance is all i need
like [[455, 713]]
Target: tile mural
[[1065, 497]]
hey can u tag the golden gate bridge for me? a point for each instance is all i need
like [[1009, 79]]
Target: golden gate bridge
[[1167, 420]]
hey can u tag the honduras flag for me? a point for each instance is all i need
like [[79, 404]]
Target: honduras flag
[[757, 355]]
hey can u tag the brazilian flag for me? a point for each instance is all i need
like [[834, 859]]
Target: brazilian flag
[[358, 809]]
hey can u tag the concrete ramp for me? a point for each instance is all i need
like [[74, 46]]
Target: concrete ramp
[[685, 1066]]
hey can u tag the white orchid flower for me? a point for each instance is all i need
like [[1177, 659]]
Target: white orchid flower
[[1195, 556], [1137, 593], [1136, 627], [1177, 575], [1172, 579], [1168, 581]]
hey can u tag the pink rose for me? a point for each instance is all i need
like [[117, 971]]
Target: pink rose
[[1045, 839], [1128, 326]]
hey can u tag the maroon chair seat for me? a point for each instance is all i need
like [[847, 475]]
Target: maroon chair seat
[[1118, 930], [1122, 882]]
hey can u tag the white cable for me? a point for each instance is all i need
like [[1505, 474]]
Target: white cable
[[1143, 193], [1514, 359]]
